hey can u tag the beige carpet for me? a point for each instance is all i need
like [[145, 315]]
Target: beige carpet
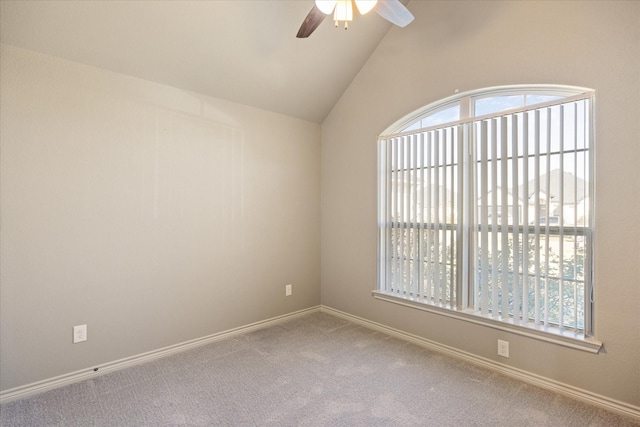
[[316, 370]]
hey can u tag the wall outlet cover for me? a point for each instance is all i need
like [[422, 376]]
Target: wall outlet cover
[[79, 333], [503, 348]]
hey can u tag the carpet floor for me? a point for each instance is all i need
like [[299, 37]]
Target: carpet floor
[[315, 370]]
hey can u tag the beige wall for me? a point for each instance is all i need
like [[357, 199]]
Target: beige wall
[[151, 214], [469, 45]]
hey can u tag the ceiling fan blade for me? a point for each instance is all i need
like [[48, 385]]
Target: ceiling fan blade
[[310, 23], [394, 12]]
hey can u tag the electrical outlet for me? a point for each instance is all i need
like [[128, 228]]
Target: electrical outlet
[[503, 348], [288, 290], [79, 333]]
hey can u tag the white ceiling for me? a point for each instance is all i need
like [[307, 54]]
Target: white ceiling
[[242, 51]]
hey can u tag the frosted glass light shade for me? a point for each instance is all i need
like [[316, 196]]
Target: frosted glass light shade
[[365, 6], [326, 6]]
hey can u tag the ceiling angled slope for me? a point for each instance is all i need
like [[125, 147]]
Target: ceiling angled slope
[[241, 51]]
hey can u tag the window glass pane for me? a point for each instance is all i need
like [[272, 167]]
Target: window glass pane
[[495, 104], [414, 126], [539, 99], [442, 116]]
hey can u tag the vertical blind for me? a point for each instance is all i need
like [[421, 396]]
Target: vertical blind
[[493, 214]]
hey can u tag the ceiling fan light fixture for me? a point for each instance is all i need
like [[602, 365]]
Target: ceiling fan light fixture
[[343, 12], [326, 6], [391, 10], [365, 6]]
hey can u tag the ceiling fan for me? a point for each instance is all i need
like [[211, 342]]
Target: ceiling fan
[[391, 10]]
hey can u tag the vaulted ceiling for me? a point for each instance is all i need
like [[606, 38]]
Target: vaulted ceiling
[[242, 51]]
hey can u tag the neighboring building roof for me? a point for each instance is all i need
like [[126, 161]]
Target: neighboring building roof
[[574, 189]]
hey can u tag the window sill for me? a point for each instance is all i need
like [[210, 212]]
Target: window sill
[[549, 334]]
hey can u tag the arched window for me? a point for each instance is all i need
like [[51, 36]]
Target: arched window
[[485, 210]]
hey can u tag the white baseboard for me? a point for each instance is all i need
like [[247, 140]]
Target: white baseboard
[[83, 374], [528, 377]]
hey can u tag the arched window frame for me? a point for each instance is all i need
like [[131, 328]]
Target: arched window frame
[[466, 102], [412, 126]]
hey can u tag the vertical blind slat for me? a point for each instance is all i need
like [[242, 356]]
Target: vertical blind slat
[[575, 206], [515, 221], [421, 218], [414, 221], [536, 216], [484, 221], [443, 204], [388, 255], [504, 215], [398, 195], [494, 219], [525, 219], [436, 219], [401, 218], [561, 218], [429, 252], [548, 213], [453, 234], [461, 218]]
